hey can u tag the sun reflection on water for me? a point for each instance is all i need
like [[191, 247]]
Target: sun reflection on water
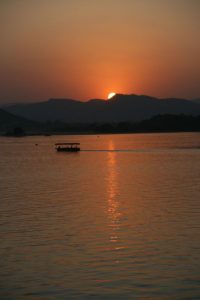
[[114, 213]]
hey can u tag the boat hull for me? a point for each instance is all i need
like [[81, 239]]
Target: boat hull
[[68, 149]]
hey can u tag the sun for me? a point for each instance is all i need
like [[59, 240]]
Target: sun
[[110, 95]]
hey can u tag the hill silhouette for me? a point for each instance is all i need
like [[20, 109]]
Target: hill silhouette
[[120, 108], [12, 124], [196, 101], [9, 120]]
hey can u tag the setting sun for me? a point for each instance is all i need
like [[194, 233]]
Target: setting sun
[[110, 95]]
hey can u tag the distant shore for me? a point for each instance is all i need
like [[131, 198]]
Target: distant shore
[[93, 133], [157, 124]]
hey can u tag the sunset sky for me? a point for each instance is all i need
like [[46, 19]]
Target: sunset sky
[[84, 49]]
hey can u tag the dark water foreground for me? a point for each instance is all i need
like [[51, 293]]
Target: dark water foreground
[[100, 224]]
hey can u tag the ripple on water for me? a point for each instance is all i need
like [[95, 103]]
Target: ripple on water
[[101, 225]]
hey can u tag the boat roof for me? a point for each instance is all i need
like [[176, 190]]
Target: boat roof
[[59, 144]]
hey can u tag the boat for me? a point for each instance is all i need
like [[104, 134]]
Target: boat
[[67, 147]]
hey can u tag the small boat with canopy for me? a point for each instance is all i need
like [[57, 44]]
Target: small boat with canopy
[[67, 147]]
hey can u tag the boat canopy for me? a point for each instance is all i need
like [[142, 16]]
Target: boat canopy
[[60, 144]]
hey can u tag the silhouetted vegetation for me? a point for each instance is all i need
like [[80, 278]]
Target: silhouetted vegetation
[[166, 123], [17, 132], [159, 123]]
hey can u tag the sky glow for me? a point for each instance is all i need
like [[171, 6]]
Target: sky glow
[[83, 49]]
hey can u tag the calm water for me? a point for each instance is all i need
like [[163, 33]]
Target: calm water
[[100, 224]]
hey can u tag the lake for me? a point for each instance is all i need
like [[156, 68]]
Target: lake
[[118, 220]]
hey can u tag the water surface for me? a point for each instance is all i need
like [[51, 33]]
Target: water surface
[[117, 224]]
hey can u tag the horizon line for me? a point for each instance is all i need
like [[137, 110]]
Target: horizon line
[[91, 99]]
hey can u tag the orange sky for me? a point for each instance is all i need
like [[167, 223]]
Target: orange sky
[[84, 49]]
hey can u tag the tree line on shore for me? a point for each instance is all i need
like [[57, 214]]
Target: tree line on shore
[[159, 123]]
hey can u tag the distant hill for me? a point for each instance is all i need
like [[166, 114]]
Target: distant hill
[[196, 101], [121, 108], [9, 121]]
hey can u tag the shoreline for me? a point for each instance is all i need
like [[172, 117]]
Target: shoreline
[[28, 134]]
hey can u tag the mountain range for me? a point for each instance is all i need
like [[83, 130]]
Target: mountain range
[[120, 108], [9, 120]]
